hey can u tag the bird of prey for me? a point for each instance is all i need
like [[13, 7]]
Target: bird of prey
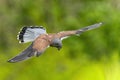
[[42, 40]]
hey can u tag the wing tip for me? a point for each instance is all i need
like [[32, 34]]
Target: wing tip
[[99, 24], [11, 61], [93, 26]]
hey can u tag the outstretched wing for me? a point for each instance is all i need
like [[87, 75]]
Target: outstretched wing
[[64, 34], [35, 49], [29, 34], [24, 54]]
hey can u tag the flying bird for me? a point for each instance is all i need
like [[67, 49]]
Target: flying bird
[[42, 40]]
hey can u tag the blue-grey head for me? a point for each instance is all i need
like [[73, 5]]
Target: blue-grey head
[[56, 42]]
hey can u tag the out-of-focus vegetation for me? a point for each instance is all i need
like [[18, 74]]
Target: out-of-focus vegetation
[[92, 56]]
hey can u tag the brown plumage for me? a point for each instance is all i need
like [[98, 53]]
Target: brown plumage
[[41, 40]]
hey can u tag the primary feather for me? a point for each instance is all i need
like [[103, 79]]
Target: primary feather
[[27, 53], [88, 28]]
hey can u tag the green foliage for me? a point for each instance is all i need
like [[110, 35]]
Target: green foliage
[[92, 56]]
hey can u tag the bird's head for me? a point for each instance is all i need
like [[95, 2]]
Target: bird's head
[[56, 43]]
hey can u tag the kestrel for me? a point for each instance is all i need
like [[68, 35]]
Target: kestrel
[[42, 40]]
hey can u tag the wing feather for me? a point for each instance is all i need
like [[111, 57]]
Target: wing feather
[[26, 54], [64, 34]]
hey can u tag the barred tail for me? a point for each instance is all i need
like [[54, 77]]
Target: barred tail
[[29, 34]]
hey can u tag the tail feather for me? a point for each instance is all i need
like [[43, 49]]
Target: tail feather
[[29, 34], [26, 54]]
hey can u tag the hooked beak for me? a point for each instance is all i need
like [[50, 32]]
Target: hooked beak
[[59, 47]]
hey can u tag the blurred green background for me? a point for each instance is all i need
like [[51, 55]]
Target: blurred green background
[[95, 55]]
